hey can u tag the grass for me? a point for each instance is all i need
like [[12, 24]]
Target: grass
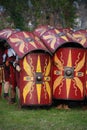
[[12, 118]]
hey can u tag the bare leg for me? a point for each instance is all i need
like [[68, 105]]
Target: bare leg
[[6, 89]]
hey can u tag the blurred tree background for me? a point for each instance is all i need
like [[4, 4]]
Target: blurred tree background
[[27, 14]]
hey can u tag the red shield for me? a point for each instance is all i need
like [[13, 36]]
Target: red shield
[[6, 33], [69, 73], [53, 38], [79, 36], [39, 31], [24, 42], [35, 79]]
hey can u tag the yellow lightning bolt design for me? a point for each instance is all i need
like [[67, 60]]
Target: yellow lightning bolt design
[[80, 64], [38, 86], [58, 63], [48, 68], [48, 89], [57, 82]]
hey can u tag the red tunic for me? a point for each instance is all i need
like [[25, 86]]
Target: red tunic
[[10, 72]]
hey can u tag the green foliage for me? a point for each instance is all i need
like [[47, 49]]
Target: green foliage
[[15, 8], [18, 8], [64, 8]]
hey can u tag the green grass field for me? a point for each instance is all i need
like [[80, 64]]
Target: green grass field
[[13, 118]]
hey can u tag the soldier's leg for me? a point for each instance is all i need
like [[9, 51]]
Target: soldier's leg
[[13, 85], [6, 89]]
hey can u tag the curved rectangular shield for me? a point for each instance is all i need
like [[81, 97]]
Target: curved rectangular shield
[[69, 73], [35, 79]]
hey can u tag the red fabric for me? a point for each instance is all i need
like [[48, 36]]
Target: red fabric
[[7, 73], [1, 56], [13, 76], [10, 72]]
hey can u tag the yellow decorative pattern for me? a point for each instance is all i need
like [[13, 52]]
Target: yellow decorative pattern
[[63, 37], [48, 89], [48, 68], [79, 84], [69, 63], [21, 43], [68, 81], [27, 89], [28, 86], [80, 64], [51, 39], [27, 68], [80, 36], [58, 63], [38, 86], [46, 76], [68, 84], [57, 82], [38, 69], [31, 42], [76, 80]]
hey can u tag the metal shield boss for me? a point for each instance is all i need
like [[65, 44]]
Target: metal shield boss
[[35, 79], [69, 73]]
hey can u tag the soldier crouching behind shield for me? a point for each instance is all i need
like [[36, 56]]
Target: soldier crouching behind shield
[[10, 74]]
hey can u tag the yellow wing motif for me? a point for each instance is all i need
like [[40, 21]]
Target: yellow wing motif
[[81, 36], [48, 68], [21, 43], [48, 89], [79, 84], [63, 37], [58, 63], [57, 82], [27, 89], [51, 39], [14, 40], [28, 70], [80, 64], [27, 67], [6, 33]]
